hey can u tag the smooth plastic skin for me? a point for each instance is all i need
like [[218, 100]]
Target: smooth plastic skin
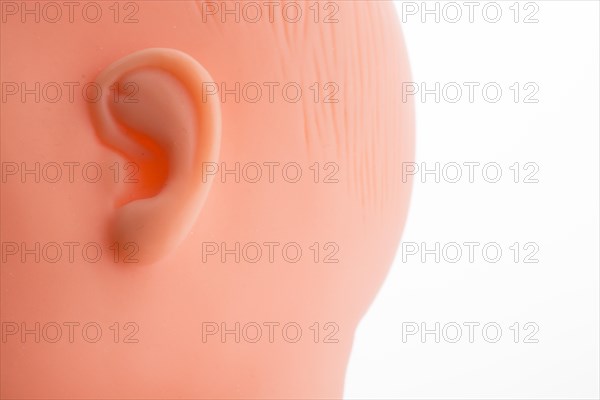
[[354, 209]]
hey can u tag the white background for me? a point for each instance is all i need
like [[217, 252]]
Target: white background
[[560, 214]]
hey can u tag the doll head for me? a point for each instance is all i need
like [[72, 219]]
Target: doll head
[[202, 198]]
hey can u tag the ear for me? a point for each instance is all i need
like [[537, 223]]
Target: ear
[[165, 120]]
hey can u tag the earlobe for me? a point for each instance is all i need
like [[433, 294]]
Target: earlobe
[[157, 115]]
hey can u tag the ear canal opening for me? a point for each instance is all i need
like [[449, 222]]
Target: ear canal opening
[[142, 176]]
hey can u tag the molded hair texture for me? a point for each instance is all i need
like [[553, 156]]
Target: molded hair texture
[[363, 117]]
